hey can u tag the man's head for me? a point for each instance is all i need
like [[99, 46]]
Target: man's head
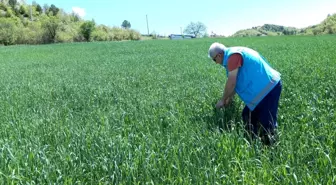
[[216, 52]]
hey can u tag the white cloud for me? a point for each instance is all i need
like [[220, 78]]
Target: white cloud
[[79, 11]]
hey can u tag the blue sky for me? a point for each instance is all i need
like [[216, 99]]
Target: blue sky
[[220, 17]]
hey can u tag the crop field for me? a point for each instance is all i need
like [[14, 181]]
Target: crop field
[[143, 112]]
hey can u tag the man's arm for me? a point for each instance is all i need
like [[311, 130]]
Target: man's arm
[[230, 85], [235, 61]]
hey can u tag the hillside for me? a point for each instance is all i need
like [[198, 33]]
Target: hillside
[[327, 26], [21, 23]]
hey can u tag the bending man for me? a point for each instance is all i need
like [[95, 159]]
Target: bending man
[[257, 84]]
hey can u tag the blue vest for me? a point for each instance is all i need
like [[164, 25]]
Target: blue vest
[[255, 78]]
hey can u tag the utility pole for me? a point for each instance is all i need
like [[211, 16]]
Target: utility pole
[[147, 24]]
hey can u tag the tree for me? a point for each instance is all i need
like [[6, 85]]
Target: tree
[[197, 29], [87, 28], [8, 31], [126, 24], [23, 11], [51, 26], [12, 3], [39, 9], [75, 17], [54, 9]]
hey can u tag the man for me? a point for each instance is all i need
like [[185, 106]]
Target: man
[[257, 84]]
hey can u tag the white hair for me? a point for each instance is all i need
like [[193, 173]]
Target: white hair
[[216, 48]]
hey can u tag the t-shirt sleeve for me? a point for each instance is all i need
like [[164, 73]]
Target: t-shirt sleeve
[[235, 61]]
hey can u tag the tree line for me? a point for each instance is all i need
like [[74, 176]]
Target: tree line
[[35, 24]]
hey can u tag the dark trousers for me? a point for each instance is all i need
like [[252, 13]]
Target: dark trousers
[[262, 121]]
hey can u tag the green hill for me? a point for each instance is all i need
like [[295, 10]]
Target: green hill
[[327, 26]]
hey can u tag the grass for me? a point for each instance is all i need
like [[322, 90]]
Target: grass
[[143, 113]]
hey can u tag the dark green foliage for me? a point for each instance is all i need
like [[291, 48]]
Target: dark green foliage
[[273, 27], [12, 3], [39, 9], [87, 28], [53, 9], [126, 24]]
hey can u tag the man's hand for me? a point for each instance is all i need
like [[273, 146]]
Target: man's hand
[[222, 103], [227, 101]]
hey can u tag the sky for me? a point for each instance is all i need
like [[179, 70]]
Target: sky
[[221, 17]]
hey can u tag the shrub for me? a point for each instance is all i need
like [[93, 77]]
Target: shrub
[[68, 33], [87, 28], [30, 34], [117, 34], [134, 35], [101, 33], [8, 31]]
